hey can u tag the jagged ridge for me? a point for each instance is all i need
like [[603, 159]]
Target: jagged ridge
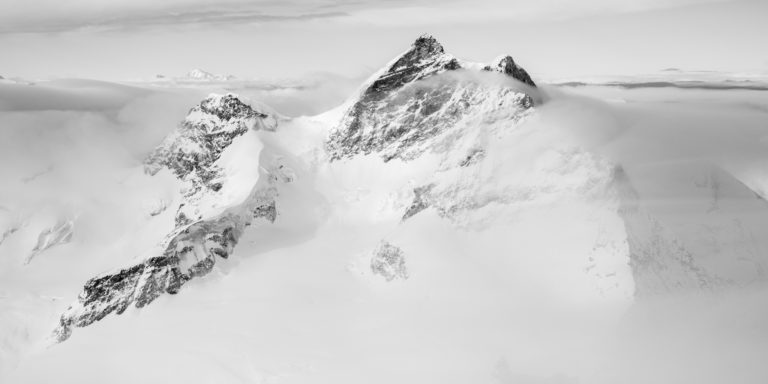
[[192, 248], [400, 109]]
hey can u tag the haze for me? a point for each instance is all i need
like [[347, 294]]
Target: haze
[[124, 40]]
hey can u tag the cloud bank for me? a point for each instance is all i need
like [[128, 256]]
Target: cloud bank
[[46, 16]]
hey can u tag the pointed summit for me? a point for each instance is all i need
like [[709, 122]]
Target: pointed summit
[[396, 117], [227, 107], [426, 56], [205, 133], [506, 65], [426, 45]]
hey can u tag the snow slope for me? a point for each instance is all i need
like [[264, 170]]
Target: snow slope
[[216, 155], [471, 235]]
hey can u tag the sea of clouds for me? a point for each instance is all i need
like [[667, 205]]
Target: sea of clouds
[[68, 146]]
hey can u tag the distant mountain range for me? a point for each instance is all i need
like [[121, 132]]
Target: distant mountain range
[[197, 75]]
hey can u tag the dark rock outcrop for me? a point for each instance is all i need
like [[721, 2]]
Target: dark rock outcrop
[[407, 104], [420, 201], [199, 141], [474, 156], [192, 249], [190, 253], [507, 66], [388, 261]]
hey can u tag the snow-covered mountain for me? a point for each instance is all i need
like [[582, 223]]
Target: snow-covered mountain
[[400, 110], [201, 75], [221, 195], [466, 152], [440, 214]]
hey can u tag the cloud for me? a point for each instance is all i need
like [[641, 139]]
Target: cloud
[[190, 17], [310, 95], [724, 86], [465, 11], [89, 130], [79, 134], [48, 16]]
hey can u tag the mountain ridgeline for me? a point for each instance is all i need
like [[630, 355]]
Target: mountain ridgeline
[[399, 109], [202, 234], [487, 169]]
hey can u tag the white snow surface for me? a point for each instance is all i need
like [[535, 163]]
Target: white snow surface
[[519, 271], [201, 75]]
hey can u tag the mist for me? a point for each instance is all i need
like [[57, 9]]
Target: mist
[[75, 148]]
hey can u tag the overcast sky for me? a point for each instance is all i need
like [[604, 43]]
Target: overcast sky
[[130, 39]]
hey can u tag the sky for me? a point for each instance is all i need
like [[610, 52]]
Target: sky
[[138, 39]]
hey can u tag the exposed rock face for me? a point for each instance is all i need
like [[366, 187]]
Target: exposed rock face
[[506, 65], [388, 261], [474, 156], [190, 253], [208, 129], [422, 103], [408, 103], [420, 201], [200, 238], [191, 152]]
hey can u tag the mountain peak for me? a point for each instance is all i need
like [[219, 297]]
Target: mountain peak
[[199, 74], [228, 106], [207, 130], [426, 53], [428, 45], [398, 120], [507, 65]]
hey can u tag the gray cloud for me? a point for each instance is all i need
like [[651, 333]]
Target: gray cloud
[[724, 85], [190, 17], [48, 16]]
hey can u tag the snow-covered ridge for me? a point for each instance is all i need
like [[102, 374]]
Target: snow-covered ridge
[[422, 103], [215, 155], [470, 154]]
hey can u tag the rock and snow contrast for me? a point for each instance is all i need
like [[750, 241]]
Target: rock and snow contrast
[[448, 215], [403, 108], [215, 155]]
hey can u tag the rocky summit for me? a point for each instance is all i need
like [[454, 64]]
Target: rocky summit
[[415, 98], [200, 236]]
